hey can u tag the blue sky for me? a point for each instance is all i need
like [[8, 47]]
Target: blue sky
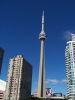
[[20, 25]]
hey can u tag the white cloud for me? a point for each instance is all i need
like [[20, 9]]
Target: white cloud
[[2, 85], [64, 81], [67, 35], [52, 81], [55, 81]]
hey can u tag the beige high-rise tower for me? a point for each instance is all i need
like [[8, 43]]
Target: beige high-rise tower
[[19, 78], [41, 80]]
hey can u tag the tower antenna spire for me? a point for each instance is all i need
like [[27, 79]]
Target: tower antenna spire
[[43, 22]]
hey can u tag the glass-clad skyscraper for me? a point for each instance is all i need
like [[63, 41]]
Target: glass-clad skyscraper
[[70, 67]]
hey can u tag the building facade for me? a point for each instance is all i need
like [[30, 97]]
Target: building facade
[[70, 67], [1, 95], [19, 78], [48, 92]]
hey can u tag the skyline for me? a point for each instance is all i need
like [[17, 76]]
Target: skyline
[[20, 24]]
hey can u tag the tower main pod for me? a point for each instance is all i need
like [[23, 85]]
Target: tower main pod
[[41, 80]]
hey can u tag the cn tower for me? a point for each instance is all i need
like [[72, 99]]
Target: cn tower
[[41, 80]]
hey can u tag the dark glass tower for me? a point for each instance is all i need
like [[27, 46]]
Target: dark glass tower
[[1, 57]]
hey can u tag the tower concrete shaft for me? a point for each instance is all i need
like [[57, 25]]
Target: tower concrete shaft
[[41, 81]]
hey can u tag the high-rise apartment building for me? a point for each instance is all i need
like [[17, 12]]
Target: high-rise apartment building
[[19, 78], [70, 67], [1, 95]]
